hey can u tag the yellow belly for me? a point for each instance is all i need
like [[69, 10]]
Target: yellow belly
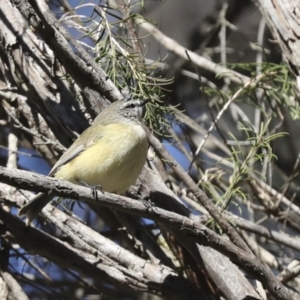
[[114, 161]]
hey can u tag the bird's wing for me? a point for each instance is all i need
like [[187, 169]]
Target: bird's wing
[[78, 146]]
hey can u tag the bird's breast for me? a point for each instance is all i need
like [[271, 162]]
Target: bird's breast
[[114, 161]]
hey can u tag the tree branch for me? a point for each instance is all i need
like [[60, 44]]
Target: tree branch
[[184, 225]]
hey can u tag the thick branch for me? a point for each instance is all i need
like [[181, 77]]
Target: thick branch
[[99, 268], [198, 193], [283, 17], [184, 225]]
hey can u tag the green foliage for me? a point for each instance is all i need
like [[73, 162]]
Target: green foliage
[[245, 160], [122, 58], [120, 52], [268, 92], [276, 84]]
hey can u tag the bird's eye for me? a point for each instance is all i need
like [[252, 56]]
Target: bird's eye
[[132, 106]]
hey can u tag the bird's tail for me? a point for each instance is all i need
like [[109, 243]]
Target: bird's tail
[[33, 207]]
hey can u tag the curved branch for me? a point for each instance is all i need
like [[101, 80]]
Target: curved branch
[[184, 225]]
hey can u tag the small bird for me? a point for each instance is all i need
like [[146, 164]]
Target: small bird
[[110, 153]]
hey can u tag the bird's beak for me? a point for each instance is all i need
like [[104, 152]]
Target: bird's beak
[[144, 102]]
